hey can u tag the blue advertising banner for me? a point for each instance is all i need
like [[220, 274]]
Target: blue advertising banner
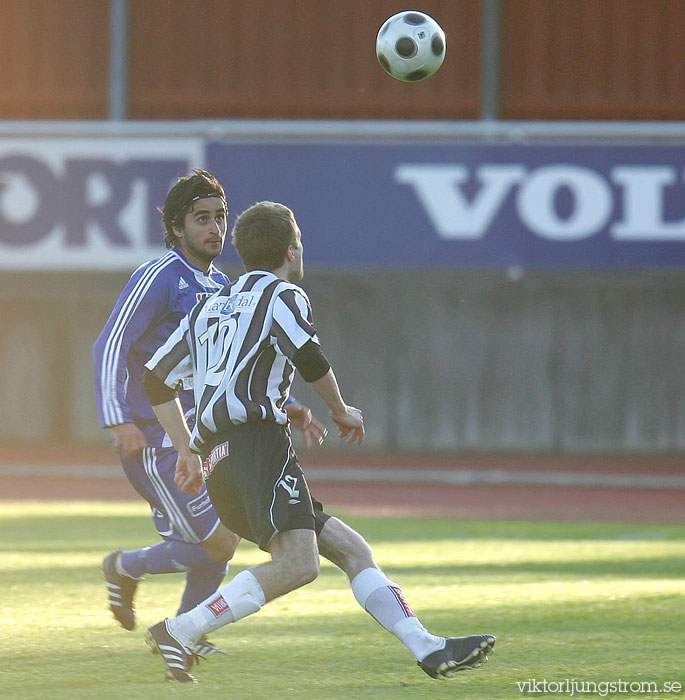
[[469, 205], [91, 203]]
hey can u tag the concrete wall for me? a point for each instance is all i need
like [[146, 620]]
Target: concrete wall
[[437, 359]]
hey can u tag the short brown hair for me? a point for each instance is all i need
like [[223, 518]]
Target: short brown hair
[[262, 234], [180, 198]]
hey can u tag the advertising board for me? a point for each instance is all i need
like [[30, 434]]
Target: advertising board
[[91, 203]]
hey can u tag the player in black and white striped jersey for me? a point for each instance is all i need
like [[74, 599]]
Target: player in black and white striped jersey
[[243, 342], [242, 346]]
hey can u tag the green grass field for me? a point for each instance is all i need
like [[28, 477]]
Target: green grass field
[[590, 602]]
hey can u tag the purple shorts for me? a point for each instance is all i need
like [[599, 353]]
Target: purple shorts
[[177, 515]]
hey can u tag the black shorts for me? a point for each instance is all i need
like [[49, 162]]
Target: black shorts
[[256, 484]]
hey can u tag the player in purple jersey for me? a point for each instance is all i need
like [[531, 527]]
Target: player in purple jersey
[[159, 293]]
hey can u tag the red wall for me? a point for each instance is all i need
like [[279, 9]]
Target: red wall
[[595, 59], [53, 59], [293, 59], [567, 59]]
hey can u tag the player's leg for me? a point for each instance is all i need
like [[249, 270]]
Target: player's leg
[[194, 539], [203, 575], [203, 579], [294, 563], [384, 600], [259, 491], [379, 596], [122, 583], [222, 543]]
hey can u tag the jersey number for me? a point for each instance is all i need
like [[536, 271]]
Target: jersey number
[[217, 341]]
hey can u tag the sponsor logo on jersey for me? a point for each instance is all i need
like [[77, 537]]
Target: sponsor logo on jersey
[[215, 456], [199, 505], [242, 302], [182, 284], [218, 606], [215, 306]]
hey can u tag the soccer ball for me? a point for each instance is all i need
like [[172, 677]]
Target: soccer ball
[[410, 46]]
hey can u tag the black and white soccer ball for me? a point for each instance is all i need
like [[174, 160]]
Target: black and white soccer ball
[[410, 46]]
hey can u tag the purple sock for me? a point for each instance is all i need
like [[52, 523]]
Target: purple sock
[[165, 558], [201, 582]]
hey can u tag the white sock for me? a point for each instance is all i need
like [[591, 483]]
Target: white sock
[[384, 601], [239, 598]]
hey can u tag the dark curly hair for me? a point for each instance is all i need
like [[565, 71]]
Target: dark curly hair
[[180, 198]]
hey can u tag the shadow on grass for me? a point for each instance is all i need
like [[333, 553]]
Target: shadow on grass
[[376, 530], [639, 568]]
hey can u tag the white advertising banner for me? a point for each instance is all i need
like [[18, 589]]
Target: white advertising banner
[[87, 203]]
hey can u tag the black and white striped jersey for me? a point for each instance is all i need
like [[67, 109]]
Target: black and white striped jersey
[[238, 345]]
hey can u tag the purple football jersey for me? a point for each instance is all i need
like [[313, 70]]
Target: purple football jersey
[[159, 293]]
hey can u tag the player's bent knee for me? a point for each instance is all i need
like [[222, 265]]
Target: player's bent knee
[[297, 556], [221, 545], [309, 571], [303, 568]]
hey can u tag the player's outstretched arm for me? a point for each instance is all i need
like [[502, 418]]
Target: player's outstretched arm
[[348, 418]]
